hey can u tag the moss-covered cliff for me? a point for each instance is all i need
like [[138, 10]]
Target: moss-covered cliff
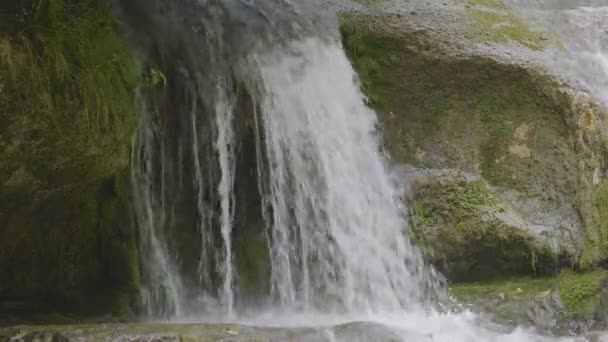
[[67, 117]]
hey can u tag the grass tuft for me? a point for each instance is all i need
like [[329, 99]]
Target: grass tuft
[[69, 62]]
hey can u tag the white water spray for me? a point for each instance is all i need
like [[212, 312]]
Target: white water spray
[[581, 29], [339, 239]]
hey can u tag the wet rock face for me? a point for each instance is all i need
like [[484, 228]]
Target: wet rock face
[[571, 303], [446, 105], [40, 337]]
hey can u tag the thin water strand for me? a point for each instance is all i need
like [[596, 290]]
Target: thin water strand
[[161, 295], [225, 148]]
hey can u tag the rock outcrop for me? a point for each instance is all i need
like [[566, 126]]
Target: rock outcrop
[[508, 156]]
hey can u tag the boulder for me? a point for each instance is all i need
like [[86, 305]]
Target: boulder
[[464, 88]]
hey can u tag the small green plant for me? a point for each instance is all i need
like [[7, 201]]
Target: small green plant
[[465, 198], [422, 218], [578, 291], [155, 77]]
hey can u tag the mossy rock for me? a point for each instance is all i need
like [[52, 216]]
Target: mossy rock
[[513, 124], [581, 293], [514, 301], [457, 223], [474, 114], [559, 304], [67, 116]]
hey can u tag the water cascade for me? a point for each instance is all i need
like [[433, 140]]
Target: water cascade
[[337, 233], [260, 180], [332, 214]]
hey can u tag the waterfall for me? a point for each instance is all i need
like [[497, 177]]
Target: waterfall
[[162, 286], [260, 185], [330, 210], [225, 149], [338, 236]]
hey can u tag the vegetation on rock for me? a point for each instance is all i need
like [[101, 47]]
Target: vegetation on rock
[[560, 299], [506, 289], [67, 117], [371, 51], [580, 292], [455, 224], [519, 129]]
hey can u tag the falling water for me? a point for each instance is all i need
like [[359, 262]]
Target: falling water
[[225, 148], [332, 211], [581, 27], [330, 206], [339, 238], [160, 293]]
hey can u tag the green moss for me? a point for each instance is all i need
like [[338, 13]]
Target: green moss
[[67, 116], [467, 198], [493, 116], [449, 105], [461, 197], [370, 52], [514, 299], [454, 223], [500, 134], [423, 219], [494, 4], [440, 109], [80, 245], [508, 289], [154, 78], [484, 250], [511, 124], [595, 242], [580, 292], [71, 62], [503, 27]]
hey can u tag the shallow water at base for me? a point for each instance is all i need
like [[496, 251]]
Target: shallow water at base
[[414, 327]]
